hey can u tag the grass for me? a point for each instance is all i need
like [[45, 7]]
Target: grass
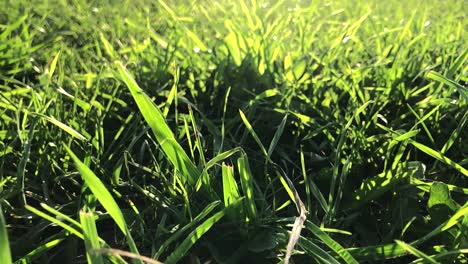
[[233, 132]]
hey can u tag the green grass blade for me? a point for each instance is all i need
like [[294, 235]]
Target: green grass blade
[[455, 134], [451, 83], [104, 197], [220, 157], [230, 190], [100, 191], [56, 221], [277, 135], [161, 130], [38, 251], [335, 246], [247, 185], [210, 207], [194, 236], [63, 126], [91, 237], [463, 211], [254, 135], [5, 255], [416, 252], [312, 249], [440, 157], [52, 68]]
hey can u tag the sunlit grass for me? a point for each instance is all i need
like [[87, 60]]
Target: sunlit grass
[[233, 131]]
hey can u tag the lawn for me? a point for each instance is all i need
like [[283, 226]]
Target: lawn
[[233, 131]]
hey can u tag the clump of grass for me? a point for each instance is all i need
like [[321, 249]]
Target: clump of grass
[[242, 131]]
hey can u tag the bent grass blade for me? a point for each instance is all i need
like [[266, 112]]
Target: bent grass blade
[[161, 130], [104, 197]]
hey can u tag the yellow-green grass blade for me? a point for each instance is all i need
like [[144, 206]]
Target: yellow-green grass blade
[[416, 252], [377, 252], [230, 190], [59, 215], [220, 157], [335, 246], [161, 130], [451, 83], [463, 211], [38, 251], [91, 237], [63, 126], [104, 197], [439, 156], [5, 254], [195, 235], [52, 67], [254, 135], [56, 221], [246, 180]]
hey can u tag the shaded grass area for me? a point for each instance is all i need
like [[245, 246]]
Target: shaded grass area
[[200, 131]]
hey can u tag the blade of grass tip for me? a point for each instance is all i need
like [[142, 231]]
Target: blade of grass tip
[[52, 67], [63, 126], [439, 156], [5, 254], [220, 157], [254, 135], [224, 119], [335, 246], [104, 197], [172, 97], [91, 237], [161, 130], [198, 142], [414, 251], [195, 235], [277, 135]]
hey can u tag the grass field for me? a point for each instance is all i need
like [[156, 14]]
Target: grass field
[[233, 131]]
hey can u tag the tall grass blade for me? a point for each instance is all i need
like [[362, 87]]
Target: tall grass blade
[[161, 130], [91, 237], [5, 254], [246, 179], [104, 197]]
